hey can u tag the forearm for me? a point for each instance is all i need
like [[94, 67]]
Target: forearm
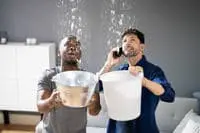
[[95, 106], [154, 87], [44, 106], [106, 68]]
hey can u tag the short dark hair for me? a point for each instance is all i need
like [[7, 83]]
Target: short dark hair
[[68, 38], [72, 37], [136, 32]]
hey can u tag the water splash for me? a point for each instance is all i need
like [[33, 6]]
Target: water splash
[[72, 21], [60, 3], [117, 15]]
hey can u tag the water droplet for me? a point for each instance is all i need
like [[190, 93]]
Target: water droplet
[[113, 2], [73, 17], [109, 42], [126, 4], [118, 41], [110, 28], [121, 22], [73, 10], [112, 12], [79, 1], [59, 3], [118, 33], [79, 33], [72, 26]]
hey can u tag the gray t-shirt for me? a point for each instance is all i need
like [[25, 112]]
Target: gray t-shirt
[[63, 119]]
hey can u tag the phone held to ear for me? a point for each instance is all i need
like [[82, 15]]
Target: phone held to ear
[[118, 53]]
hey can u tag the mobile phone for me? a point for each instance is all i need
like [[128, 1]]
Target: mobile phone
[[118, 53]]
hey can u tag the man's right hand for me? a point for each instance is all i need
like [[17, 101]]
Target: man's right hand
[[111, 60], [55, 100], [47, 100]]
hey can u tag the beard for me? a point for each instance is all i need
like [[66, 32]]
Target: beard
[[71, 62], [131, 54]]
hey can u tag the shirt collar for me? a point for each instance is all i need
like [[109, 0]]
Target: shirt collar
[[140, 63]]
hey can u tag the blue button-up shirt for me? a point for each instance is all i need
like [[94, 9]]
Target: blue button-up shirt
[[146, 122]]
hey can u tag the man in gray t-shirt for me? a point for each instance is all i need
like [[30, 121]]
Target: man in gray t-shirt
[[58, 118]]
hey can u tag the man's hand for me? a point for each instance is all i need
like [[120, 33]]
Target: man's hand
[[46, 100], [94, 105], [54, 100], [135, 70], [111, 60]]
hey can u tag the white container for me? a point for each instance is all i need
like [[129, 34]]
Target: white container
[[31, 41], [122, 92], [3, 40], [76, 87]]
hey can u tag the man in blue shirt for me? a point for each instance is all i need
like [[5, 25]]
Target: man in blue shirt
[[155, 86]]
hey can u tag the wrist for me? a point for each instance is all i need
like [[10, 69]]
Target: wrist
[[50, 103], [144, 82], [107, 66]]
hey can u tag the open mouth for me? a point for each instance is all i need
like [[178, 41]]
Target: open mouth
[[128, 49], [69, 55]]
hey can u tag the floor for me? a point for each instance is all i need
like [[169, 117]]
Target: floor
[[15, 131], [16, 128]]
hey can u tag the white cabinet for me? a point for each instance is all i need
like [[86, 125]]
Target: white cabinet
[[8, 62], [8, 94], [21, 65]]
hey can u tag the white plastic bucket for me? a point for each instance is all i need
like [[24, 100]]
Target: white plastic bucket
[[122, 92]]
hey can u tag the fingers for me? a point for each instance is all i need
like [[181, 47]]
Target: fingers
[[55, 94], [115, 49], [55, 99], [111, 59], [58, 102], [135, 70], [139, 69], [92, 100], [112, 50]]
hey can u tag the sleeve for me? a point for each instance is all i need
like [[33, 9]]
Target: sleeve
[[99, 87], [159, 77], [44, 81]]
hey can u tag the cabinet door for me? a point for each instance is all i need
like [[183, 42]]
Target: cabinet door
[[19, 71], [27, 94], [8, 62], [32, 61], [8, 94]]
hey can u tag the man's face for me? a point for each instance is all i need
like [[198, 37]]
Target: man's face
[[131, 45], [70, 51]]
